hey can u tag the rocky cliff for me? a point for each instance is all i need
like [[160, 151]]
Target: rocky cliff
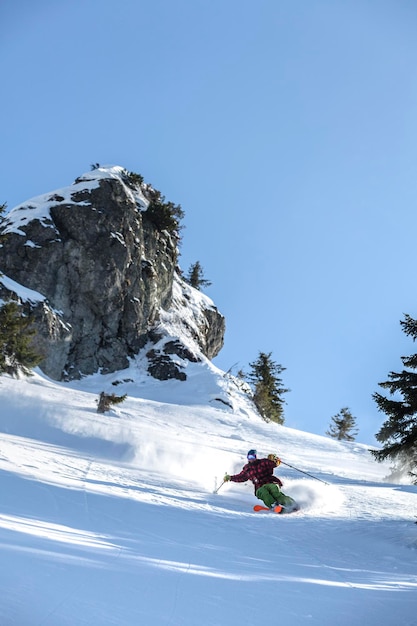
[[106, 277]]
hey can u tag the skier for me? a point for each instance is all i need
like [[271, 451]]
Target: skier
[[267, 486]]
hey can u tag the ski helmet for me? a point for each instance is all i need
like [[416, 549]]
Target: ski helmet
[[251, 455]]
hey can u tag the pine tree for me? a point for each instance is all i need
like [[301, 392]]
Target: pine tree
[[195, 276], [164, 215], [343, 426], [16, 353], [267, 387], [106, 401], [399, 432]]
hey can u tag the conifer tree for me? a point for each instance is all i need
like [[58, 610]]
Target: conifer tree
[[343, 426], [195, 276], [398, 433], [164, 215], [106, 401], [16, 352], [268, 388]]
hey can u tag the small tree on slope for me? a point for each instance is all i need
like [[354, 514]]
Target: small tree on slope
[[343, 426], [16, 353], [195, 276], [106, 401], [268, 388], [398, 433]]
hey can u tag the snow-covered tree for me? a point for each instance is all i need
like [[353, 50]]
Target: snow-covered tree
[[106, 401]]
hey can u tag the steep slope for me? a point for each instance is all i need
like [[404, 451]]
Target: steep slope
[[112, 519]]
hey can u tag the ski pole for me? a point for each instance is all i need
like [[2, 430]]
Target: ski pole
[[216, 490], [306, 473]]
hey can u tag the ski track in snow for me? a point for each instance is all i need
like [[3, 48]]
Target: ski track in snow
[[112, 519]]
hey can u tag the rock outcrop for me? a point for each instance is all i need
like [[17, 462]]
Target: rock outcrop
[[107, 278]]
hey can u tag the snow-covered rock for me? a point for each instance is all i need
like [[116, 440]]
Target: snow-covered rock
[[107, 278]]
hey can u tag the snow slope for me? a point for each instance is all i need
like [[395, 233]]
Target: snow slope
[[112, 520]]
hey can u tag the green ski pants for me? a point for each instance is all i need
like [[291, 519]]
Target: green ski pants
[[271, 493]]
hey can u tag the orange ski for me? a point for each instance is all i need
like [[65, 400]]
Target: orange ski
[[259, 507]]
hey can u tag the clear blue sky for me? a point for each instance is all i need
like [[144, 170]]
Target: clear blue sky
[[287, 131]]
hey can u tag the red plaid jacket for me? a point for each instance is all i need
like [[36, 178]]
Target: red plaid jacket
[[260, 472]]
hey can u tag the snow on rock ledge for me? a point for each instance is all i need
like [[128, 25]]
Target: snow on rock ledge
[[91, 253]]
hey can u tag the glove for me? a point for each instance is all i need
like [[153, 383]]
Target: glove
[[273, 457], [226, 478]]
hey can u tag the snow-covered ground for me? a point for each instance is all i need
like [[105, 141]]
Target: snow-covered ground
[[113, 519]]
